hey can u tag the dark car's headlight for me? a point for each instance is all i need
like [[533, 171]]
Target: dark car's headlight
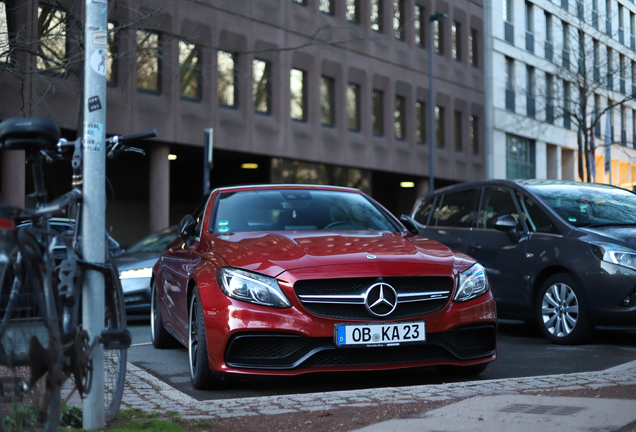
[[251, 287], [472, 283], [615, 254], [145, 272]]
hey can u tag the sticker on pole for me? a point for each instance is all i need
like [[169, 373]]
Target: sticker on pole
[[93, 137], [97, 1], [98, 61], [99, 37]]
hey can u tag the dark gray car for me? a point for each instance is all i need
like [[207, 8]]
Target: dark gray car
[[557, 252]]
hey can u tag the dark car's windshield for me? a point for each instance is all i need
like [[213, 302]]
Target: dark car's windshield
[[154, 242], [589, 206], [297, 209]]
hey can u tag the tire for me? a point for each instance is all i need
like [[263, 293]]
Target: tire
[[42, 313], [114, 360], [159, 336], [200, 374], [561, 311]]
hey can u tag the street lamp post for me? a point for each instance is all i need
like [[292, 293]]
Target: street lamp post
[[431, 107]]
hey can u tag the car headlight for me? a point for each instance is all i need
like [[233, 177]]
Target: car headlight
[[251, 287], [136, 273], [615, 254], [472, 283]]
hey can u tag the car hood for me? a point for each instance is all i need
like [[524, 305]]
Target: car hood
[[274, 253], [136, 260], [624, 235]]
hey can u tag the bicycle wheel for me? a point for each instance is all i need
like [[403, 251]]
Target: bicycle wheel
[[114, 360], [29, 330]]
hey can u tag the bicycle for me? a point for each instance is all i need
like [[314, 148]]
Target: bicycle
[[40, 326]]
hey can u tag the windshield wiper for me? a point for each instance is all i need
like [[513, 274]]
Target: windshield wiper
[[598, 225]]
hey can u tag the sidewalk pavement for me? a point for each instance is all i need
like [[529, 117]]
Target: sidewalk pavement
[[518, 404]]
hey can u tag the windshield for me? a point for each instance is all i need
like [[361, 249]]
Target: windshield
[[154, 242], [589, 206], [297, 209]]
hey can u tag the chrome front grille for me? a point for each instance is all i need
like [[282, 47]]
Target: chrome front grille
[[345, 298]]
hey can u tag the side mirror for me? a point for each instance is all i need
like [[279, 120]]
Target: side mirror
[[409, 224], [186, 229], [508, 224], [505, 223]]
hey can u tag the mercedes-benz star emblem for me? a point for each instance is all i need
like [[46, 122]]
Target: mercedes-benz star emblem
[[371, 256], [380, 299]]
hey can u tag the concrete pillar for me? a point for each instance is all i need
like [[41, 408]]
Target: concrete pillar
[[159, 199], [12, 178]]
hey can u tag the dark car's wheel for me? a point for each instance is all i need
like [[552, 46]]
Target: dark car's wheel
[[200, 374], [562, 312], [158, 334]]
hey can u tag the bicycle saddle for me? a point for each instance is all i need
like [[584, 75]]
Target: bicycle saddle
[[34, 133]]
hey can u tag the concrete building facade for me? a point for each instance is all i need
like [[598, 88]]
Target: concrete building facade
[[296, 91], [554, 66]]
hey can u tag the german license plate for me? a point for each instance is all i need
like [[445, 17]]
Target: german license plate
[[372, 334]]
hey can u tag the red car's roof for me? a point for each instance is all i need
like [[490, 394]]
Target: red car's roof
[[285, 186]]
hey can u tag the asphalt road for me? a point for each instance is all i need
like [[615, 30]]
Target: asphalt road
[[522, 353]]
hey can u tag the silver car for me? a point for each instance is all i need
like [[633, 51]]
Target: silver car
[[135, 269]]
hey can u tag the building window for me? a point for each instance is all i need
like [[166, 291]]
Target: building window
[[507, 11], [351, 11], [376, 15], [438, 39], [549, 98], [520, 163], [595, 60], [597, 120], [530, 92], [473, 131], [419, 19], [529, 27], [398, 19], [326, 6], [633, 79], [455, 41], [610, 69], [52, 41], [565, 55], [111, 53], [327, 101], [298, 92], [566, 105], [420, 122], [5, 30], [458, 131], [439, 126], [399, 117], [353, 106], [509, 77], [378, 120], [472, 48], [148, 61], [227, 85], [262, 88], [190, 70]]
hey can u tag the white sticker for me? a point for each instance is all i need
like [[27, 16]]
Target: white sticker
[[93, 137], [97, 1], [99, 37], [98, 61]]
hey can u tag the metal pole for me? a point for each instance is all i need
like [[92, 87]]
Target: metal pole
[[208, 149], [431, 109], [94, 206]]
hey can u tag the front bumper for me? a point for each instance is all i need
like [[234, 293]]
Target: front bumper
[[284, 351], [606, 285], [136, 295], [244, 338]]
